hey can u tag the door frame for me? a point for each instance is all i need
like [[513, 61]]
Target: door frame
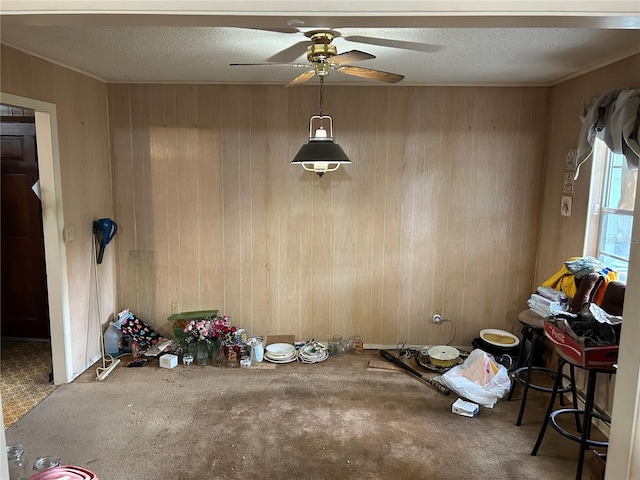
[[52, 224]]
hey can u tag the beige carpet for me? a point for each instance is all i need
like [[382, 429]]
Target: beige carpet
[[335, 420]]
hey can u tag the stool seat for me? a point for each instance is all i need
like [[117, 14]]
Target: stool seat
[[588, 413], [533, 330], [532, 319]]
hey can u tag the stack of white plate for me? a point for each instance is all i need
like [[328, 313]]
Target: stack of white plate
[[313, 352], [280, 353]]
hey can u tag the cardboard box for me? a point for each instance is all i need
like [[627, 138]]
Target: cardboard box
[[586, 357], [168, 360]]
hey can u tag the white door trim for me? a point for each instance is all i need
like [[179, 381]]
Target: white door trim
[[53, 224]]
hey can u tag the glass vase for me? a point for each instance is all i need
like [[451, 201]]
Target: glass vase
[[231, 355], [216, 354], [203, 353]]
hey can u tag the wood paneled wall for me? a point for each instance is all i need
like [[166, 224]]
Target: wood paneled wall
[[563, 237], [439, 210], [87, 189]]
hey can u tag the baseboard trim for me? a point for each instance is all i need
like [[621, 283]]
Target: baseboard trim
[[376, 346]]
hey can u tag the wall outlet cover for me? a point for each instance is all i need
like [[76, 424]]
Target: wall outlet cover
[[68, 234]]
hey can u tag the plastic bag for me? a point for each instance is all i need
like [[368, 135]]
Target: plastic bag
[[479, 379]]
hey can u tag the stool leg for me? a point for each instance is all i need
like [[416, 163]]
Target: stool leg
[[513, 386], [561, 394], [552, 400], [525, 335], [586, 427], [525, 391], [574, 396]]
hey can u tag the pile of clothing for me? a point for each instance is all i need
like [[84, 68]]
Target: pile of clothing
[[548, 301], [583, 279], [580, 281]]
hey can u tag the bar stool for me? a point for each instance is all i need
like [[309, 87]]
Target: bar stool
[[585, 432], [533, 330]]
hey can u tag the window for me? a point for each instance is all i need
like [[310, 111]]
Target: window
[[613, 189]]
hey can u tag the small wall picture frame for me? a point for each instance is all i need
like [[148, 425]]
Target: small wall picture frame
[[565, 205], [567, 183], [571, 160]]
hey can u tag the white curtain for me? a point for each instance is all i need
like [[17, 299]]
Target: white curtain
[[615, 118]]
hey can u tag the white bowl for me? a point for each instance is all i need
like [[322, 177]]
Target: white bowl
[[280, 349]]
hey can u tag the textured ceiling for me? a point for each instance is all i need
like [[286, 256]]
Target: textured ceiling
[[426, 56]]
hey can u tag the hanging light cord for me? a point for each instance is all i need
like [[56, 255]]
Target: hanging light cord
[[321, 94]]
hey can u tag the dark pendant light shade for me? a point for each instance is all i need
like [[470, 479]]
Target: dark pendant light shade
[[320, 155]]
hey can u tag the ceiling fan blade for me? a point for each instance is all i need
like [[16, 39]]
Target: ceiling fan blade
[[371, 74], [291, 53], [401, 44], [269, 64], [275, 29], [303, 77], [350, 57]]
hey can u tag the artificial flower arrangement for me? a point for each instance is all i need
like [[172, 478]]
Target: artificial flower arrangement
[[216, 330]]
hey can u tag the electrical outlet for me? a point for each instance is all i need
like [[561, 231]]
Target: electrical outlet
[[437, 318], [175, 308], [68, 234]]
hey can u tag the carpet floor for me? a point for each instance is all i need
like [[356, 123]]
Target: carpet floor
[[334, 420]]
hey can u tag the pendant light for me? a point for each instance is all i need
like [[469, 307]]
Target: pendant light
[[321, 155]]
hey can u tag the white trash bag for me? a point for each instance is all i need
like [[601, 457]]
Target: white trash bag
[[479, 379]]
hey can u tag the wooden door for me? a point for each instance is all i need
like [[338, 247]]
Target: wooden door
[[25, 306]]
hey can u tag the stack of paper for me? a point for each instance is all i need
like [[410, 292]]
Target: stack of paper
[[553, 294], [548, 302]]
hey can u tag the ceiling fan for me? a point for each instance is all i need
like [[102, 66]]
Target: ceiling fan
[[324, 57]]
